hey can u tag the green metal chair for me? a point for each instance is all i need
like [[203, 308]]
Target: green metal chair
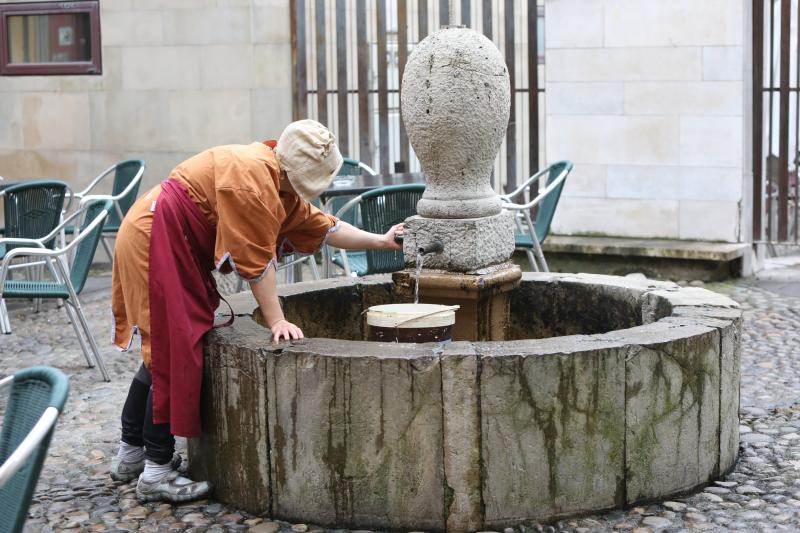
[[127, 178], [66, 283], [32, 209], [37, 397], [381, 209], [354, 167], [530, 234], [350, 167]]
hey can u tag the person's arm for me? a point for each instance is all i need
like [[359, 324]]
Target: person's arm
[[352, 238], [347, 237], [266, 295]]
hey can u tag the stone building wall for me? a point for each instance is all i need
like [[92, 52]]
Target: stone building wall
[[647, 99], [178, 76]]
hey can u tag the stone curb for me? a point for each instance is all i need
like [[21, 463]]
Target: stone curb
[[357, 434]]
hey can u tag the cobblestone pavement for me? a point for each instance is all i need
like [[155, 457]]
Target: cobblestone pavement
[[76, 494]]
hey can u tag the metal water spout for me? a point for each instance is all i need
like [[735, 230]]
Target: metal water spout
[[433, 247]]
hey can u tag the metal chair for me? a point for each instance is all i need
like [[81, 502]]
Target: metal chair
[[31, 210], [381, 209], [127, 178], [350, 167], [66, 283], [37, 397], [354, 167], [530, 234]]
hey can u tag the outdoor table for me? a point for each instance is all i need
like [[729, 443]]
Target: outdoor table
[[355, 185]]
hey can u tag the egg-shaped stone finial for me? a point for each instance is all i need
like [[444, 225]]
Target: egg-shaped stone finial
[[455, 101]]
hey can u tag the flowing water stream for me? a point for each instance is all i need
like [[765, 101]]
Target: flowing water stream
[[420, 260]]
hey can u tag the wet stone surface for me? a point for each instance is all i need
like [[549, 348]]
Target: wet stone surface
[[76, 494]]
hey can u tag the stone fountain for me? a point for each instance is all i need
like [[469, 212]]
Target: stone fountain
[[568, 393], [455, 101]]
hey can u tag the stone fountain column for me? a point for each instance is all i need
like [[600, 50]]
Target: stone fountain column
[[455, 101]]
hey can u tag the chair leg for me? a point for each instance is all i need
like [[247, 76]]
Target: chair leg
[[312, 262], [532, 259], [539, 254], [297, 271], [39, 273], [288, 274], [326, 261], [79, 312], [345, 263], [5, 323], [109, 253], [73, 320]]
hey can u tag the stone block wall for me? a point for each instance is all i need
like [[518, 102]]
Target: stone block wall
[[178, 76], [471, 435], [647, 99]]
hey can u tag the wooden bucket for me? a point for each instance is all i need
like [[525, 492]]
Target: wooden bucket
[[411, 322]]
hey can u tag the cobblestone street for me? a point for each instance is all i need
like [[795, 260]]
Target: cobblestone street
[[75, 492]]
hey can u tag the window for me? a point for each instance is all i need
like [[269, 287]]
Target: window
[[50, 38]]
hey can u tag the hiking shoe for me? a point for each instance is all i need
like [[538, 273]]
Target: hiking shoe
[[125, 471], [173, 488]]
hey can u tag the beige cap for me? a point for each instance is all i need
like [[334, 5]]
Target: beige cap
[[308, 153]]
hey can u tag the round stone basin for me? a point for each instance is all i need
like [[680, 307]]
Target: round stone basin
[[611, 391]]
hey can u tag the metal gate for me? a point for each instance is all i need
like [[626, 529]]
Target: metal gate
[[348, 58], [776, 120]]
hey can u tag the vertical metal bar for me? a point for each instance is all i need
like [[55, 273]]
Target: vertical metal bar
[[797, 135], [383, 82], [322, 64], [783, 125], [511, 131], [444, 13], [758, 119], [487, 19], [299, 75], [769, 158], [343, 136], [402, 57], [466, 12], [364, 130], [533, 89], [422, 17]]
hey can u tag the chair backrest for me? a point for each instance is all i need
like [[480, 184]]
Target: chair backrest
[[547, 207], [84, 251], [33, 209], [351, 167], [381, 209], [32, 391], [124, 173]]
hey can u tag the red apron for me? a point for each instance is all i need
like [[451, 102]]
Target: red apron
[[183, 299]]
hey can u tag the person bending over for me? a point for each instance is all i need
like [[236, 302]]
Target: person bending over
[[234, 208]]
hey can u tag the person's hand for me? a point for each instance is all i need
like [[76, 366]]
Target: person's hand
[[287, 330], [388, 238]]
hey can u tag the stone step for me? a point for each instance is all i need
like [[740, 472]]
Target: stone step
[[656, 258]]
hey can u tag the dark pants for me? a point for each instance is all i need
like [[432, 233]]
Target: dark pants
[[137, 421]]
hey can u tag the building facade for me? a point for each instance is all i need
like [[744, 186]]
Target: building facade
[[651, 99], [648, 99], [177, 77]]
